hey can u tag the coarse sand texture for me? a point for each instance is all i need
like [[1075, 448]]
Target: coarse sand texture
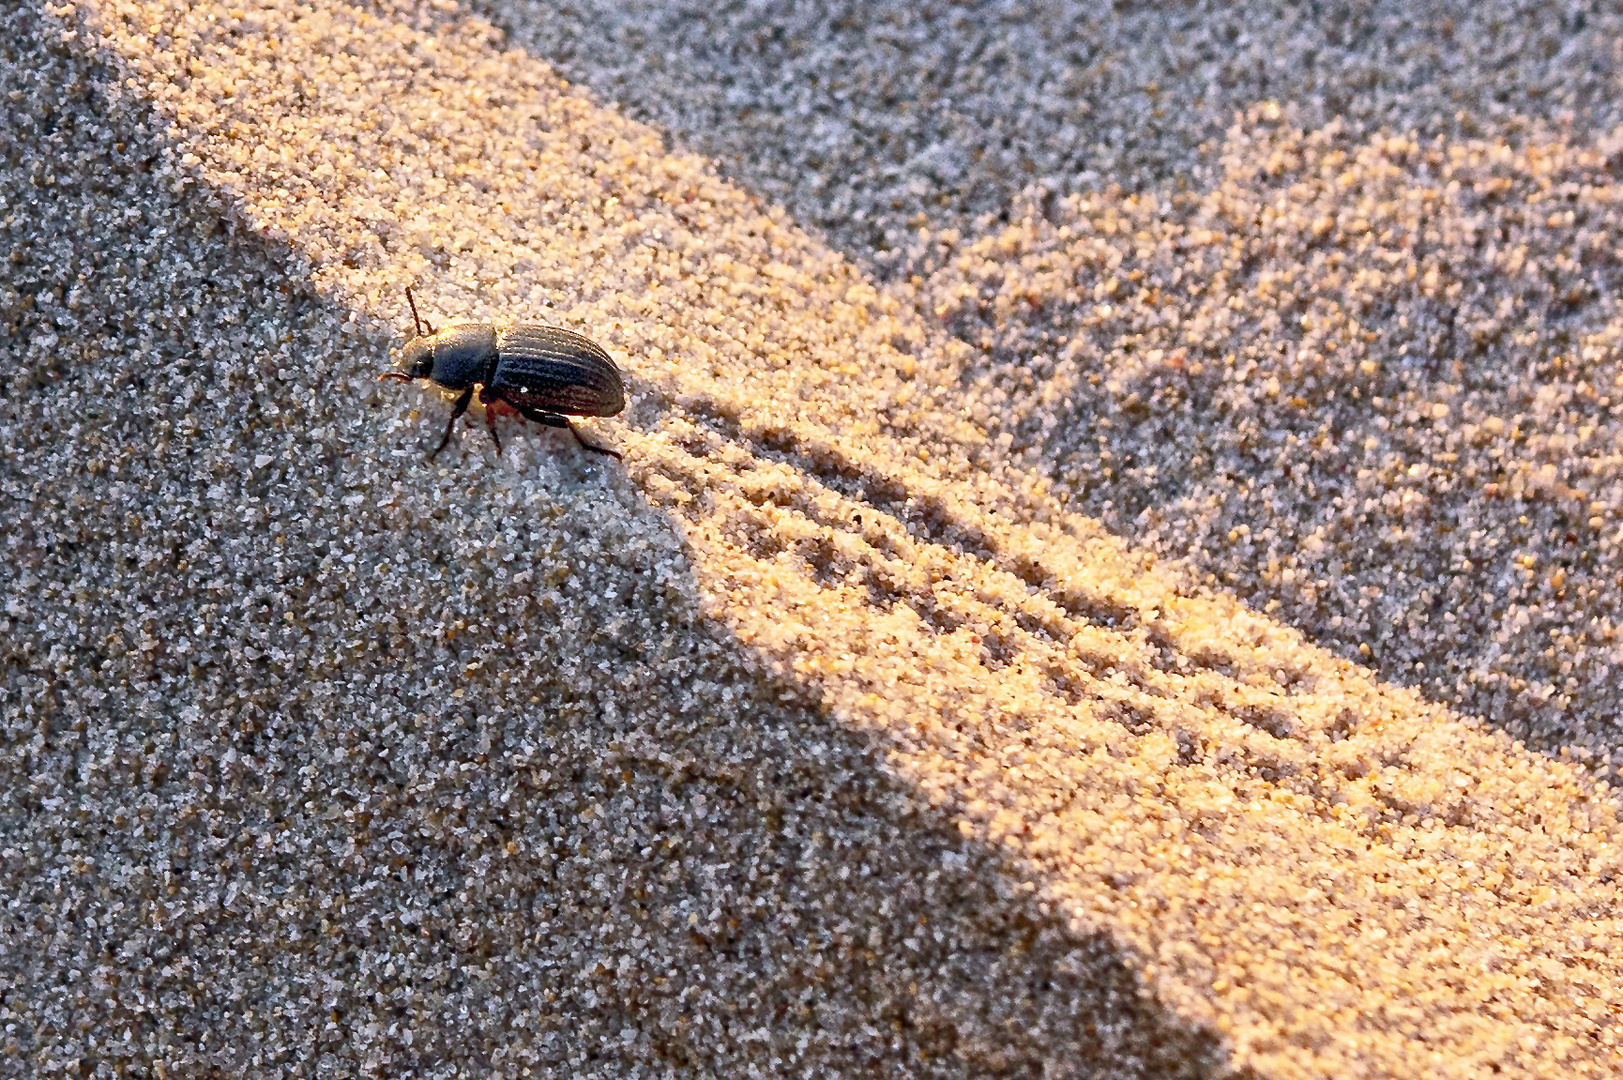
[[825, 735], [1354, 357]]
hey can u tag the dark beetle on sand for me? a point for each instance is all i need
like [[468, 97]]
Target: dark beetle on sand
[[540, 372]]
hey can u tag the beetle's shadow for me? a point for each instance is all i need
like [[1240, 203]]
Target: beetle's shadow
[[450, 774]]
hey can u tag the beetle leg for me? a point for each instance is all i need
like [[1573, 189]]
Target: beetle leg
[[486, 400], [584, 445], [457, 410], [554, 420]]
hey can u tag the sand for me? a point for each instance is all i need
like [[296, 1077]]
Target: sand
[[948, 683]]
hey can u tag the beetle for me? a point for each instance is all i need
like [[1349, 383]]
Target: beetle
[[543, 373]]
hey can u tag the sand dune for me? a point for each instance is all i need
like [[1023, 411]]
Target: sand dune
[[828, 734]]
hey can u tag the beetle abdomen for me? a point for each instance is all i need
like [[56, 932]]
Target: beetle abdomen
[[555, 370]]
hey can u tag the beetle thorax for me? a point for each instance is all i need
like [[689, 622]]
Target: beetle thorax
[[463, 355]]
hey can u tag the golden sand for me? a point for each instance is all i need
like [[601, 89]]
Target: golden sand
[[822, 737]]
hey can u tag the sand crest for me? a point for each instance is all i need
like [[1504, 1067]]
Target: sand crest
[[822, 737]]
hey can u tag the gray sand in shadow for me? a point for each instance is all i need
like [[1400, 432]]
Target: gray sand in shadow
[[503, 834]]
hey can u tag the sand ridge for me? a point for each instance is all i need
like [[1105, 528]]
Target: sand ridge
[[1288, 853]]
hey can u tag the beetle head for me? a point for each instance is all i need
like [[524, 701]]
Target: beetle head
[[418, 357], [419, 351]]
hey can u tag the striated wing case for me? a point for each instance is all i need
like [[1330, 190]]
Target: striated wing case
[[553, 370]]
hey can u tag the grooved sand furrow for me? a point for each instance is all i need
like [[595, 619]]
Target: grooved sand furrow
[[1208, 789]]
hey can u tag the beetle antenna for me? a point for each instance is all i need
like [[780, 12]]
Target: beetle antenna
[[417, 324]]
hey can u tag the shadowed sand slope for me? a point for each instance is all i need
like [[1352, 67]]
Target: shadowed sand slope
[[818, 738], [869, 118]]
